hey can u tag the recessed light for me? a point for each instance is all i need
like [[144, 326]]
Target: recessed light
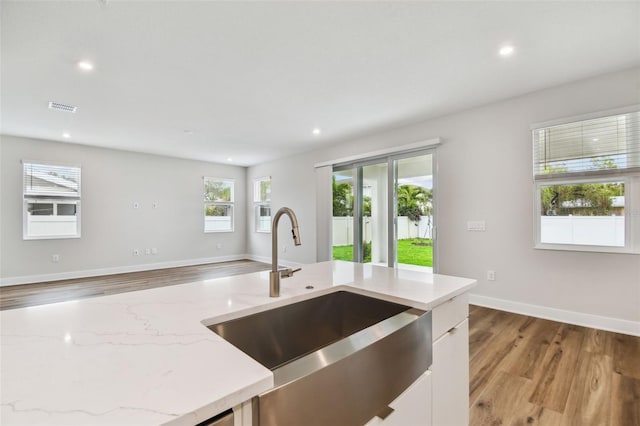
[[66, 135], [85, 65], [595, 139], [316, 131], [229, 159], [506, 50]]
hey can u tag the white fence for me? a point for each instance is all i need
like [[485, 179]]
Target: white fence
[[217, 223], [589, 230], [343, 229], [264, 224]]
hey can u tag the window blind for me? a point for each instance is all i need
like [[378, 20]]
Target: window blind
[[42, 180], [602, 145]]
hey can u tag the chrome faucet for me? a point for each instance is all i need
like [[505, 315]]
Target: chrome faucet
[[274, 276]]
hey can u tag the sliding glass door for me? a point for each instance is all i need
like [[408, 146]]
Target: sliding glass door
[[383, 211], [343, 184], [375, 213], [415, 224]]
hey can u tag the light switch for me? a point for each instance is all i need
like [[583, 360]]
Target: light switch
[[476, 225]]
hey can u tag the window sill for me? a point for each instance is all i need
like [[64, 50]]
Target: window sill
[[585, 248], [50, 237]]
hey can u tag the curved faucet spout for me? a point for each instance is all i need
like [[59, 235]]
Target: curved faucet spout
[[274, 276]]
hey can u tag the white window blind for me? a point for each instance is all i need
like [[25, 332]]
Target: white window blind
[[51, 201], [43, 180], [602, 145], [587, 180]]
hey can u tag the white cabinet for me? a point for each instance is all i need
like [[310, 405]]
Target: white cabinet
[[412, 407], [450, 377], [448, 314]]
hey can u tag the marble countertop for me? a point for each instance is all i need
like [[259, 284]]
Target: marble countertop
[[147, 358]]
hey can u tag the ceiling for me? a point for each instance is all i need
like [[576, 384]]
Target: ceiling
[[248, 81]]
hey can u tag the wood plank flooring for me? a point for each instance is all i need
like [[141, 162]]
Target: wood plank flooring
[[523, 370], [19, 296], [531, 371]]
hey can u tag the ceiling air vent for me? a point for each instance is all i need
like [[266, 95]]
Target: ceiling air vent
[[62, 107]]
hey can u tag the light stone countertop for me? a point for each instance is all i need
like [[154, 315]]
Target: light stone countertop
[[146, 357]]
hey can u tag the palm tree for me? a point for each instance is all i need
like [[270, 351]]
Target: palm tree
[[413, 201], [342, 199]]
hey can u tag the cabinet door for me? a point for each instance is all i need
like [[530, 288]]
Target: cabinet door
[[450, 377], [449, 314], [412, 407]]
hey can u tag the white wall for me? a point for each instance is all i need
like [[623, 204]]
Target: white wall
[[111, 228], [485, 172], [295, 181]]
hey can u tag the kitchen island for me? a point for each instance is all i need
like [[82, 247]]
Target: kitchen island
[[147, 357]]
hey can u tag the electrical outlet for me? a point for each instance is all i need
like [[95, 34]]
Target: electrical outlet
[[154, 250], [136, 252], [147, 251], [136, 205], [55, 258], [491, 275]]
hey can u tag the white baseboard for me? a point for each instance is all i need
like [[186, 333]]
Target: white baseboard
[[570, 317], [117, 270]]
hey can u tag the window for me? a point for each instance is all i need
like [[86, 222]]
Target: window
[[218, 205], [587, 184], [51, 201], [262, 203]]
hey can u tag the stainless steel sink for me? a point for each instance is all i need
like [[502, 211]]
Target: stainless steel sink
[[337, 359], [281, 335]]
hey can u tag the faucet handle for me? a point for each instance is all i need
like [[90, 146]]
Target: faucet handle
[[286, 273]]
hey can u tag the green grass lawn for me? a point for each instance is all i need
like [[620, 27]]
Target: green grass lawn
[[343, 253], [410, 251]]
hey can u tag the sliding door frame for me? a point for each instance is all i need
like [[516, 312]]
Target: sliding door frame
[[393, 207], [392, 200]]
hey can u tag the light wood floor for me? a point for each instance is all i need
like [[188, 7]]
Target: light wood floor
[[523, 370], [530, 371], [19, 296]]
